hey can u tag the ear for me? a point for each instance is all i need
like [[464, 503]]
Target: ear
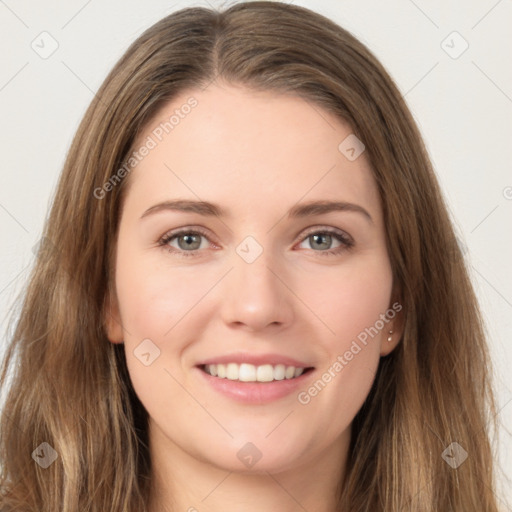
[[391, 339], [112, 319]]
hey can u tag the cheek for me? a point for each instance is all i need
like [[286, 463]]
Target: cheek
[[152, 300], [353, 305], [153, 308], [352, 301]]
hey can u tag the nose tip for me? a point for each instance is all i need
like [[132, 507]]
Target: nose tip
[[255, 297]]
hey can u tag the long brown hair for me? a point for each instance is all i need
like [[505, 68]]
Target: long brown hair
[[70, 386]]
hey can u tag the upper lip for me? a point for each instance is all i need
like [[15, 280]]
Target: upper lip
[[256, 360]]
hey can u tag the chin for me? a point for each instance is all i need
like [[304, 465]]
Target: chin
[[257, 456]]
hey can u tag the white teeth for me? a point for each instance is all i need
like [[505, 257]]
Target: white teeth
[[279, 371], [221, 370], [250, 373], [246, 373], [232, 371], [298, 372], [265, 373]]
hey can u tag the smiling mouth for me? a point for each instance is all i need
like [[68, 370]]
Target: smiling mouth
[[251, 373]]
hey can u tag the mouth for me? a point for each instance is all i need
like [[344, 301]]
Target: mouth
[[250, 373]]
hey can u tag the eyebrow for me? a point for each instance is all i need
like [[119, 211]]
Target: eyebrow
[[298, 211]]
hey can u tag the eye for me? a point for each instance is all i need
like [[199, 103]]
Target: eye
[[323, 239], [188, 242]]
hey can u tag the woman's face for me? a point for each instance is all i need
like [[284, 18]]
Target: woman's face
[[257, 279]]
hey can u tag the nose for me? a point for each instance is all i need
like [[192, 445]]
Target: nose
[[256, 297]]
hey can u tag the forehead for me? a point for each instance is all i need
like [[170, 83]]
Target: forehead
[[248, 149]]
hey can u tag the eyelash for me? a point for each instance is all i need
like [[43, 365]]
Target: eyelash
[[346, 242]]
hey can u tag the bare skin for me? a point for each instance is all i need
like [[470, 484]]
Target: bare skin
[[256, 155]]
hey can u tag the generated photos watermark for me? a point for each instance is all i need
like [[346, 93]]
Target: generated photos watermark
[[149, 144], [342, 360]]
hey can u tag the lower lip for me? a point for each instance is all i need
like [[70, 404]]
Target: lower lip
[[255, 392]]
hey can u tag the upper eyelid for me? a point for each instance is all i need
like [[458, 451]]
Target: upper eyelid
[[185, 231], [323, 229]]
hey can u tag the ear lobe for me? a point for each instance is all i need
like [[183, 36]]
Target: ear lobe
[[391, 339], [388, 346], [112, 320]]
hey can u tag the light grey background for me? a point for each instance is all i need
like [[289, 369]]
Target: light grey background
[[463, 104]]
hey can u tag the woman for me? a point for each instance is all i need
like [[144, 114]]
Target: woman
[[258, 370]]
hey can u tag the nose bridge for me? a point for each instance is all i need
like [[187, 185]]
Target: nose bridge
[[255, 295], [257, 277]]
